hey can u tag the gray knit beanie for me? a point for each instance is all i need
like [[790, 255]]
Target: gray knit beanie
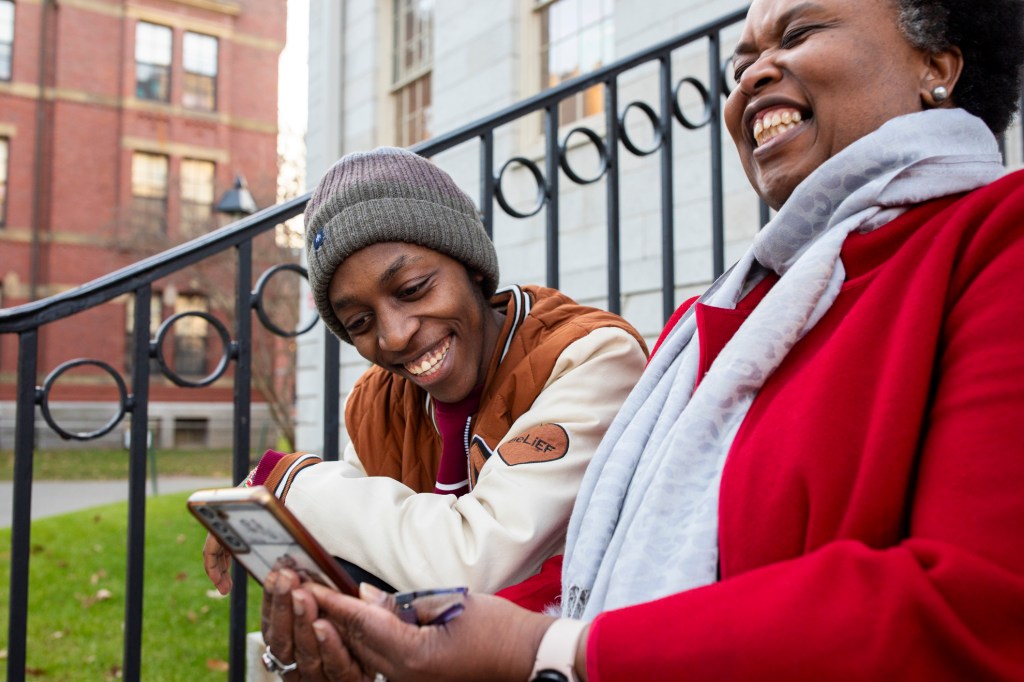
[[390, 195]]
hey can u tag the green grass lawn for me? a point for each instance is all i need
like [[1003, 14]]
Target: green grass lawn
[[76, 596], [68, 465]]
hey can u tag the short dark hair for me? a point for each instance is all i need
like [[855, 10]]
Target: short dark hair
[[990, 34]]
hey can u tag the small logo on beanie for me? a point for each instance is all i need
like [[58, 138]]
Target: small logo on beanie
[[318, 240]]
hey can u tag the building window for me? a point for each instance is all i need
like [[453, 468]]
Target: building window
[[6, 38], [199, 57], [577, 36], [196, 196], [3, 180], [413, 58], [153, 62], [149, 192]]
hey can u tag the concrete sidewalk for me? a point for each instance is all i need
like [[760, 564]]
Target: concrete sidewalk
[[50, 498]]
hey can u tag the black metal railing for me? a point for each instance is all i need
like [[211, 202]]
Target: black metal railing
[[137, 281]]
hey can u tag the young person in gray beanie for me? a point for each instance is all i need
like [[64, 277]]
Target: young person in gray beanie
[[469, 436]]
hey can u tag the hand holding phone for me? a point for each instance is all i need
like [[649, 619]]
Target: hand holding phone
[[263, 535]]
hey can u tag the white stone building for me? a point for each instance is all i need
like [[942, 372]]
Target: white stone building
[[389, 71]]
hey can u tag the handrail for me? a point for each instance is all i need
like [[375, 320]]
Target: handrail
[[102, 289], [572, 86]]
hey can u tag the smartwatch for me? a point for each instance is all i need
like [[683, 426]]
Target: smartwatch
[[556, 655]]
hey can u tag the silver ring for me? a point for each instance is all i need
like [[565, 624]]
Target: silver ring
[[273, 664]]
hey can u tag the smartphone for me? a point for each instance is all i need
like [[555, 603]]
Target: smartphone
[[263, 535]]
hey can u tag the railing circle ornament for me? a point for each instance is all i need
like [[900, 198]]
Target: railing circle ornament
[[542, 193], [261, 311], [122, 402], [704, 95], [602, 153], [652, 116], [157, 349]]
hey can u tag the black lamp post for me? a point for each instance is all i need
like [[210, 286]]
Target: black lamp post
[[237, 202]]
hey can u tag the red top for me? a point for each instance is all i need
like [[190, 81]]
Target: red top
[[872, 502]]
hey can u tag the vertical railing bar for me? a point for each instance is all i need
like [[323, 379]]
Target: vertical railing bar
[[717, 206], [487, 181], [763, 212], [667, 191], [21, 504], [551, 158], [611, 108], [137, 460], [332, 395], [240, 461], [243, 360]]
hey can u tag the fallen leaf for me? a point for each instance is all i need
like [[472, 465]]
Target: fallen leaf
[[103, 595], [191, 615], [181, 538], [217, 665], [57, 635], [181, 576]]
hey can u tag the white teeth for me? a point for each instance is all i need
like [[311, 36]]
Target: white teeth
[[774, 124], [430, 360]]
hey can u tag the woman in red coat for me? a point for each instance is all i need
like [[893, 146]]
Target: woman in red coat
[[821, 473]]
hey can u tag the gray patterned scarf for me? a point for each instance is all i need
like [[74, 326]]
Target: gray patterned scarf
[[645, 523]]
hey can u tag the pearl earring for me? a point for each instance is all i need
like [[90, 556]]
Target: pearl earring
[[940, 94]]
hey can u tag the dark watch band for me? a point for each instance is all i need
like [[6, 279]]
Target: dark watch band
[[549, 676]]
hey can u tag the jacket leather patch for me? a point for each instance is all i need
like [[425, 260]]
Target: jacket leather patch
[[544, 443]]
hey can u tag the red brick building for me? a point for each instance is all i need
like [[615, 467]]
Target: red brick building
[[121, 124]]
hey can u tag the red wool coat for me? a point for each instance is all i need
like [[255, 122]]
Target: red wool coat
[[872, 504]]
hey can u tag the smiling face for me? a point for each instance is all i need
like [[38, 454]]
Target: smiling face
[[417, 313], [814, 76]]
